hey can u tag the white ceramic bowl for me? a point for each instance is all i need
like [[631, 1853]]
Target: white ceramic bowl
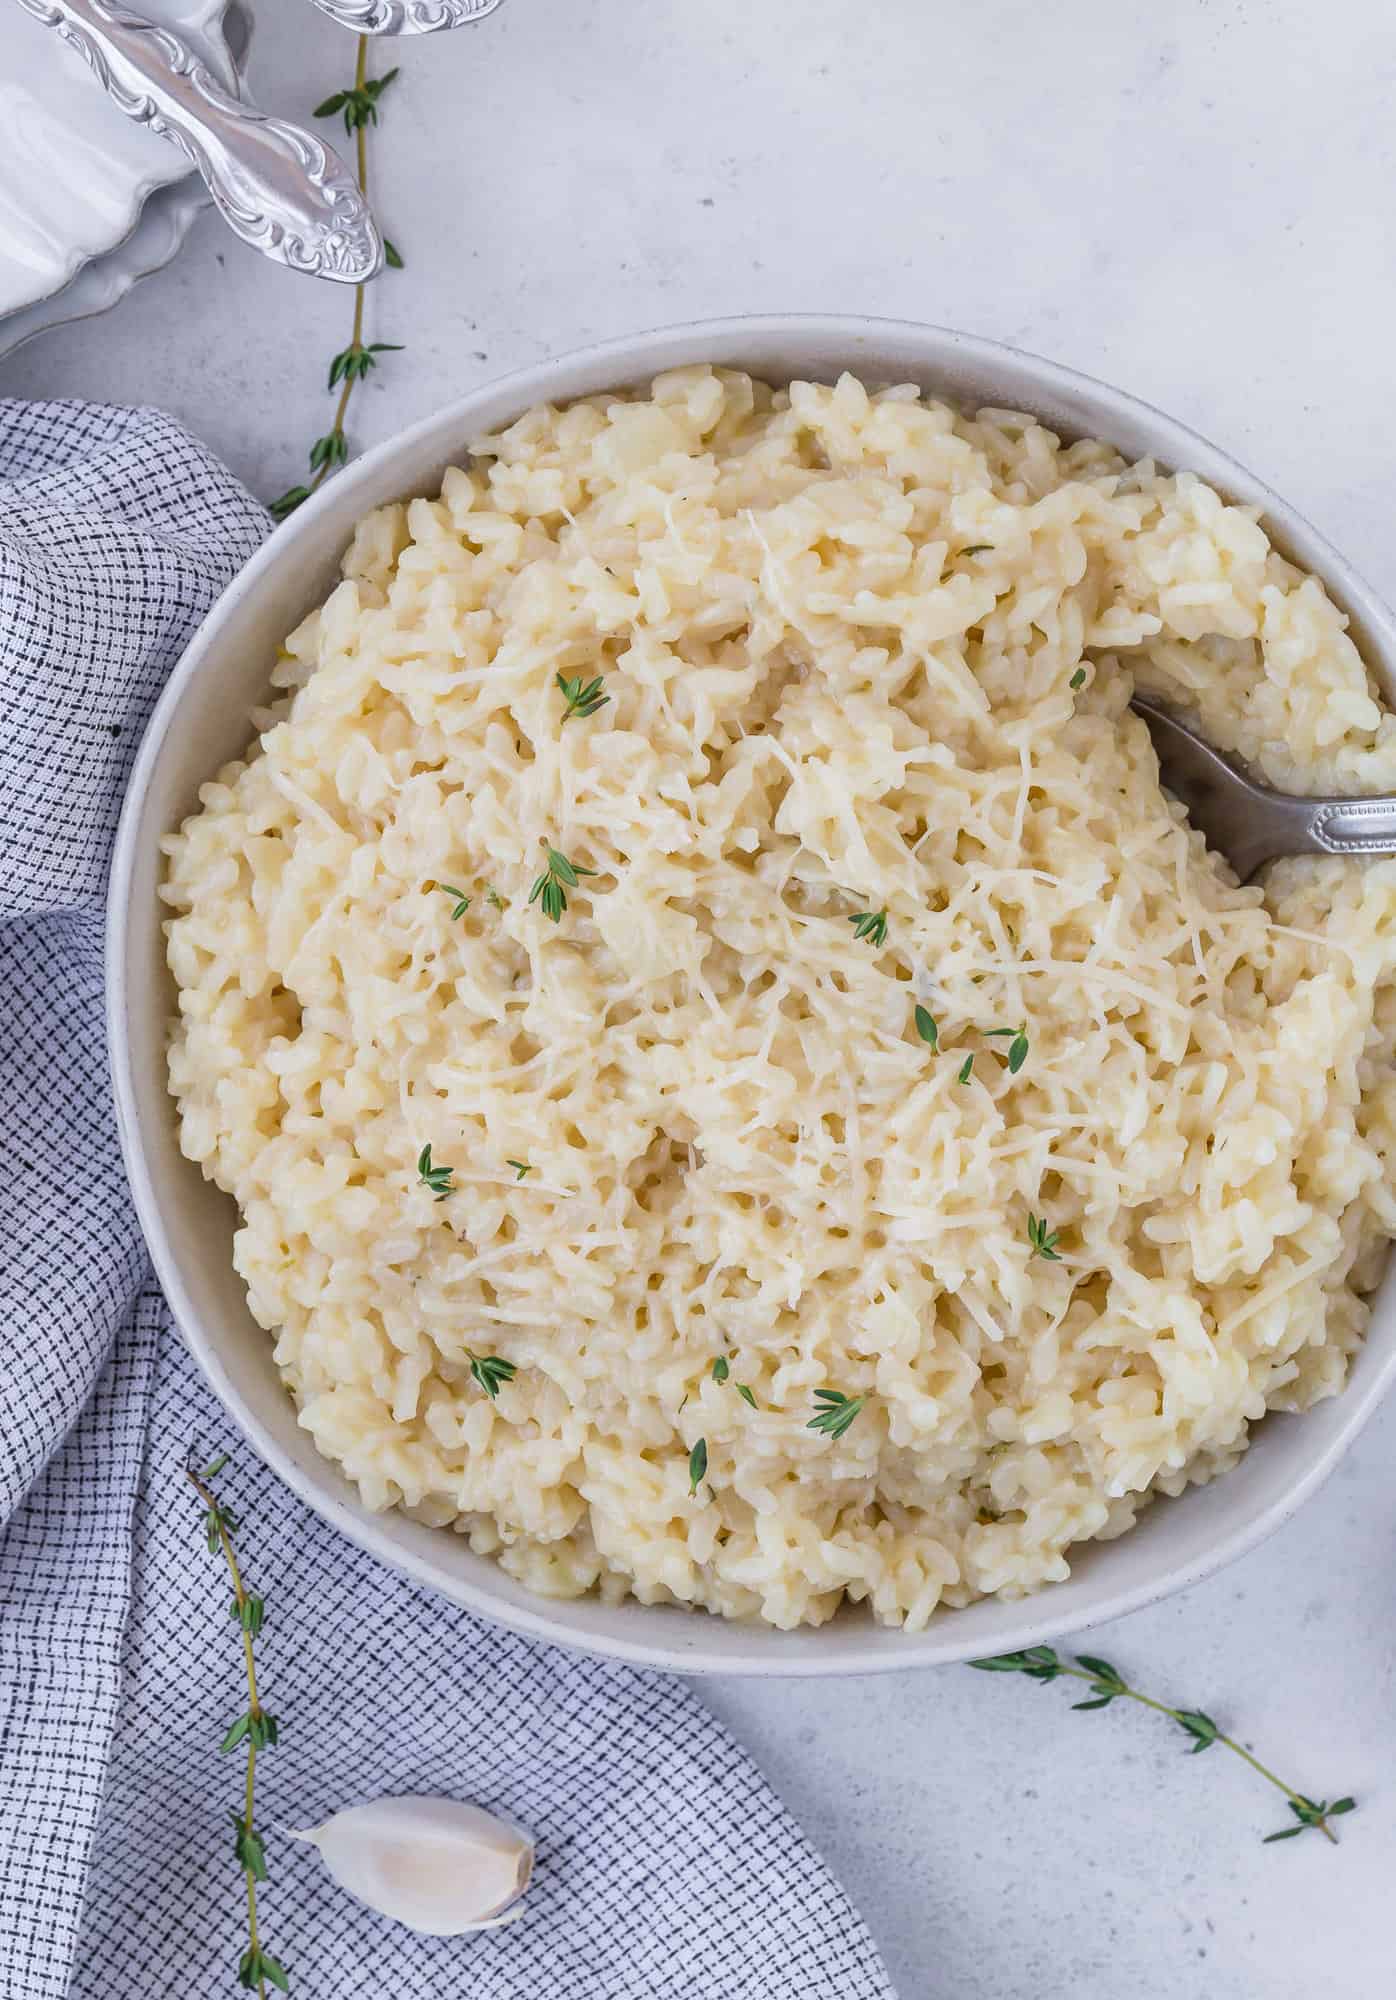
[[201, 721]]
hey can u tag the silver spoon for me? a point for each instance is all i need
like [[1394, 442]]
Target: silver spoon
[[405, 17], [1246, 821], [278, 187]]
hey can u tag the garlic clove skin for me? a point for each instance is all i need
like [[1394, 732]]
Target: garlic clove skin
[[437, 1865]]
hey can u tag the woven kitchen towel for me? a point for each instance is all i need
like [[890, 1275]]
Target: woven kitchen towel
[[666, 1868]]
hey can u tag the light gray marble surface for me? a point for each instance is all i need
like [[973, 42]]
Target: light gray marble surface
[[1198, 201]]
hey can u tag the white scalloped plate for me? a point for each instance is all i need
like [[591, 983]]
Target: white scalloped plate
[[160, 229], [76, 171]]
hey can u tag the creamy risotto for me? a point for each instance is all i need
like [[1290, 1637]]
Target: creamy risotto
[[739, 1086]]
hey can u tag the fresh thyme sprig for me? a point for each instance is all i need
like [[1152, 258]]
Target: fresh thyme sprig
[[491, 1371], [870, 924], [926, 1028], [257, 1969], [1107, 1684], [521, 1168], [837, 1413], [966, 1070], [462, 903], [359, 105], [582, 698], [437, 1179], [552, 885], [1042, 1241], [1078, 679]]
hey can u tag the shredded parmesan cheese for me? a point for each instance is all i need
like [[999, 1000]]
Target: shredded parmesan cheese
[[738, 1145]]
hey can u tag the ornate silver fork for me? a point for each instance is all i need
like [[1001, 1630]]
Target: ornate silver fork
[[1248, 822], [405, 17], [278, 187]]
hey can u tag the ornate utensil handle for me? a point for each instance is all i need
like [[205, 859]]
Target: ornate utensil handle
[[280, 188], [1355, 826], [405, 17]]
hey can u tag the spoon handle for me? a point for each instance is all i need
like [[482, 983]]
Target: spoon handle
[[405, 17], [1354, 826], [278, 187]]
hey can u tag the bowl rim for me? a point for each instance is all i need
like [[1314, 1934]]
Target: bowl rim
[[841, 1645]]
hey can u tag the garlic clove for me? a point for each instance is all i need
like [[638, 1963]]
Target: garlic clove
[[437, 1865]]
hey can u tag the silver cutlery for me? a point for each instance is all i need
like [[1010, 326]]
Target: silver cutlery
[[278, 187], [405, 17], [1248, 822]]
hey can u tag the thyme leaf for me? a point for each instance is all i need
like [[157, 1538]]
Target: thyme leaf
[[926, 1028], [352, 363], [697, 1466], [550, 890], [582, 698], [285, 504], [837, 1412], [491, 1371], [439, 1180], [1312, 1813], [359, 104], [721, 1371], [870, 924], [1043, 1241], [329, 451], [258, 1969]]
